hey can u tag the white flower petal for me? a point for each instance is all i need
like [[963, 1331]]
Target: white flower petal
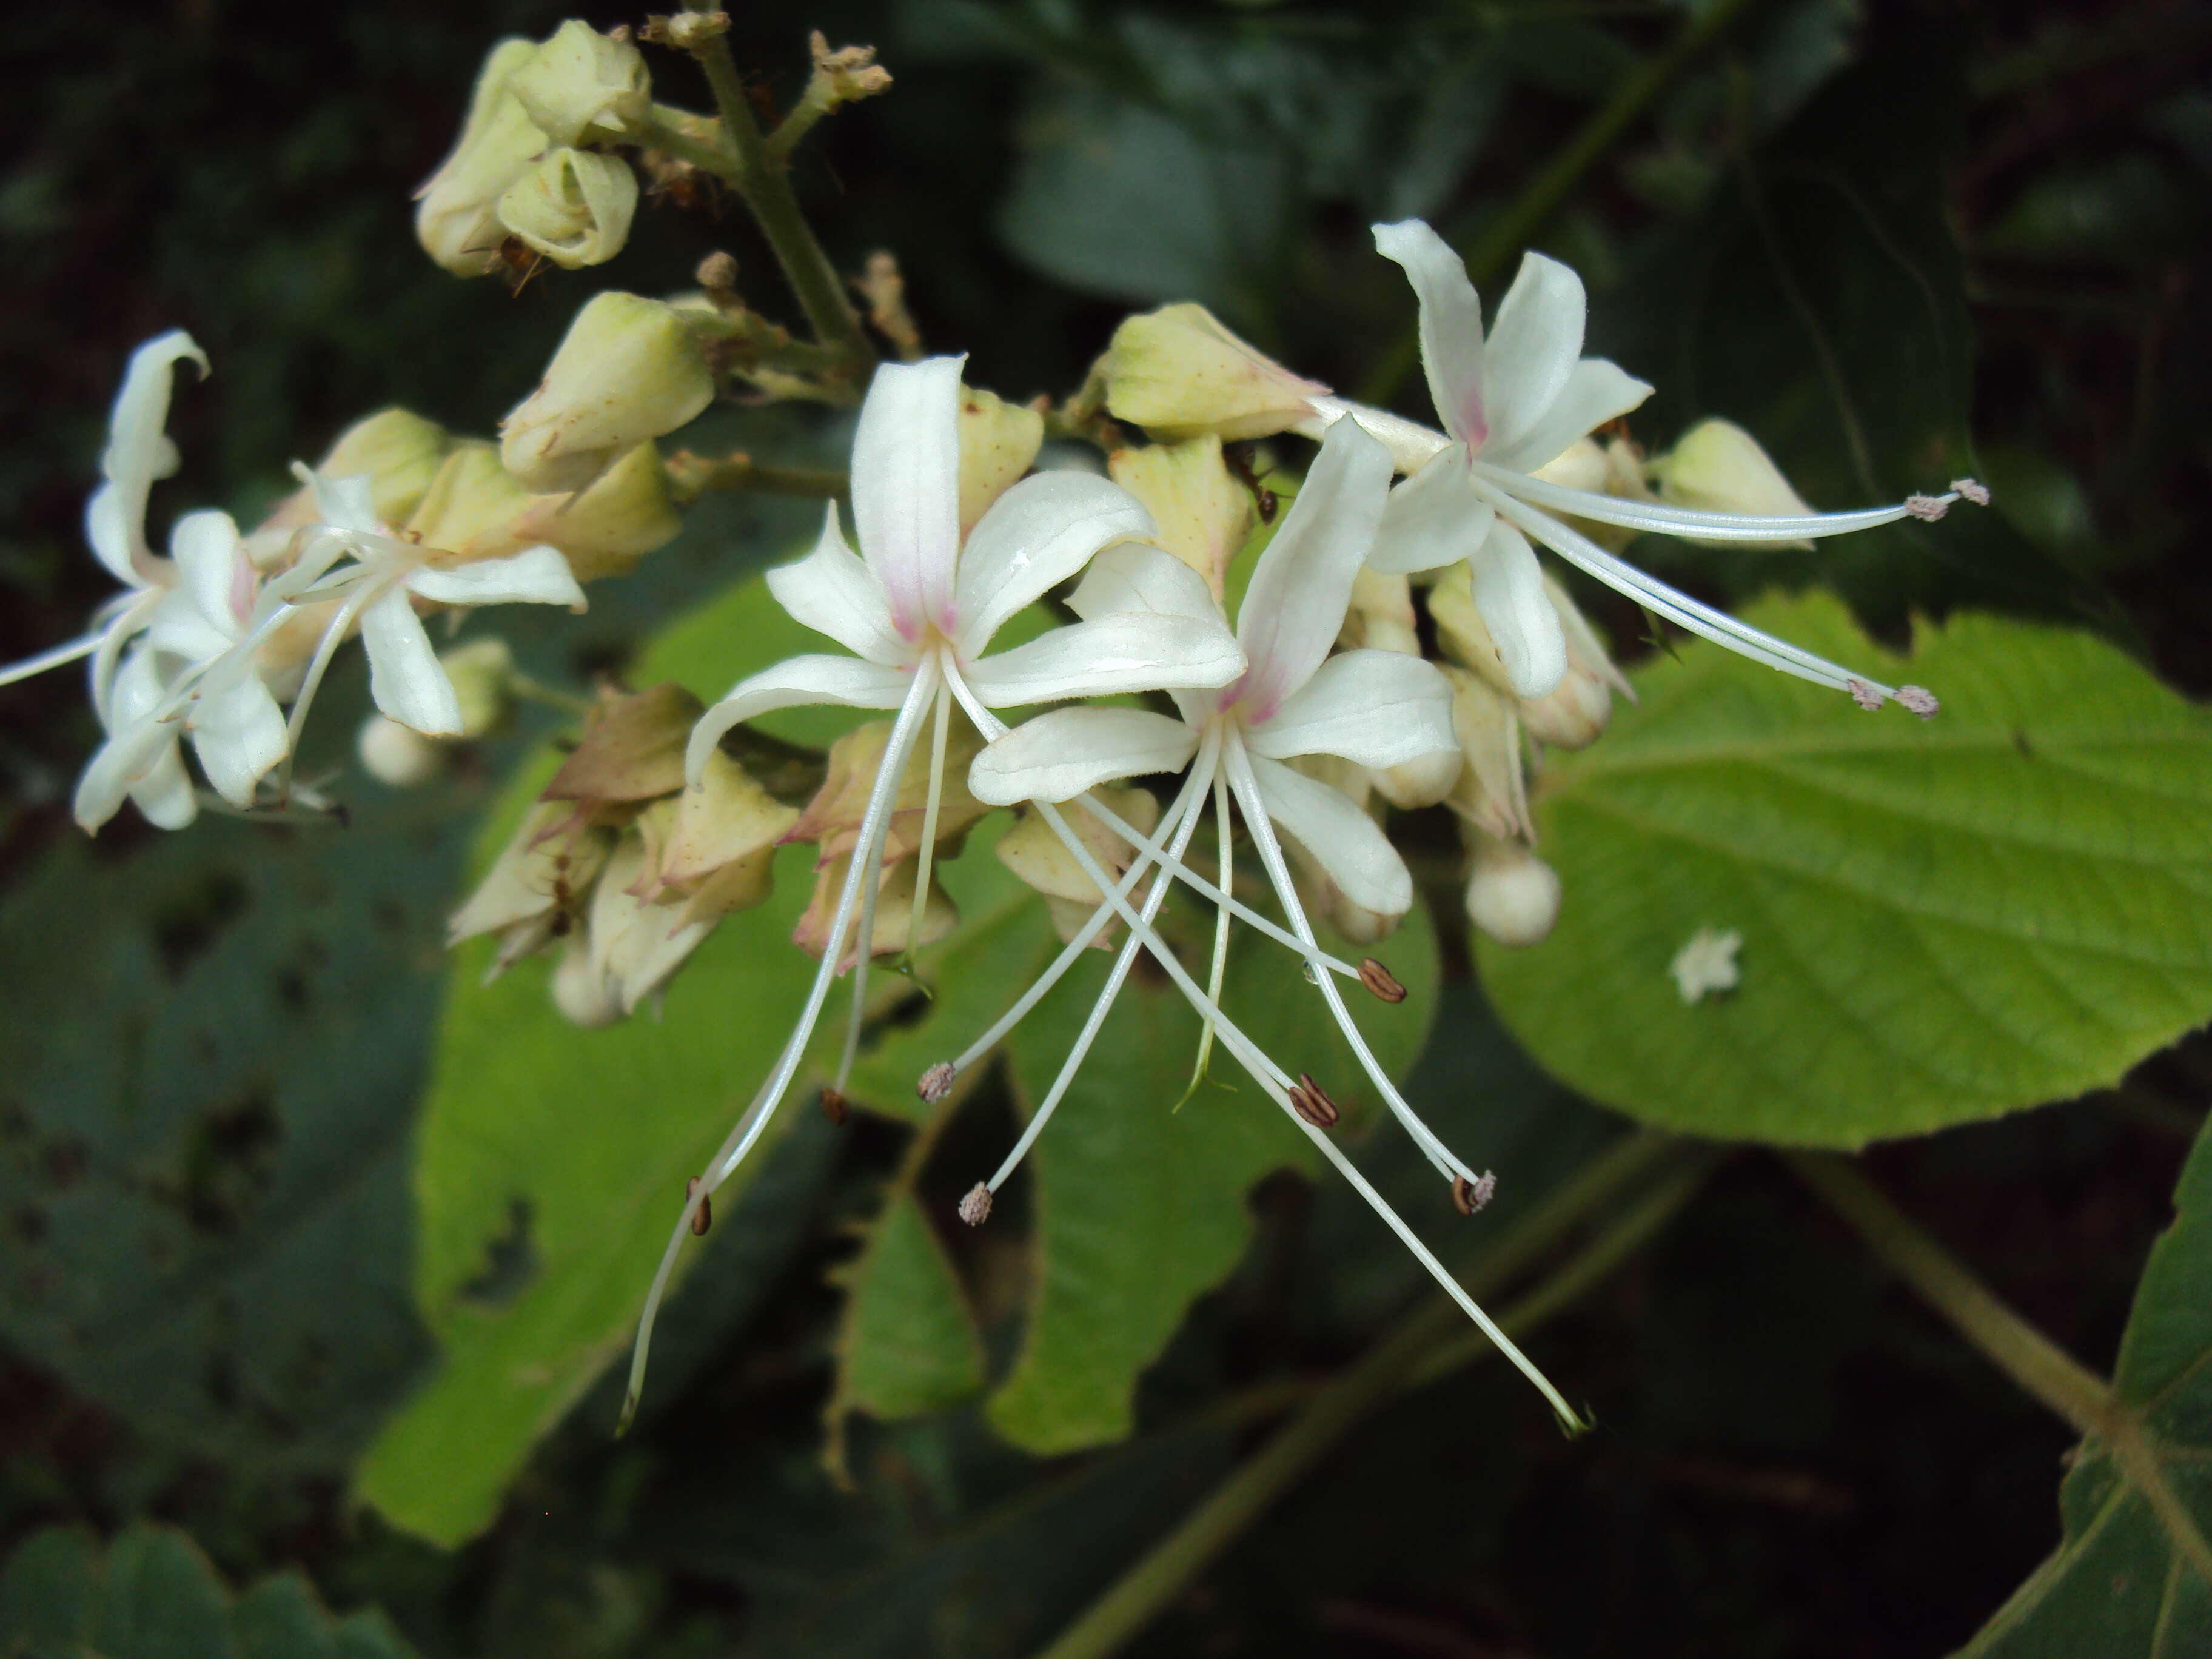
[[1134, 653], [238, 734], [165, 797], [178, 627], [1380, 708], [1343, 840], [404, 677], [1508, 591], [347, 503], [832, 592], [1596, 392], [138, 452], [209, 562], [1136, 578], [537, 575], [1434, 518], [1058, 756], [1035, 537], [1296, 603], [1451, 325], [107, 528], [1535, 339], [906, 488], [846, 682]]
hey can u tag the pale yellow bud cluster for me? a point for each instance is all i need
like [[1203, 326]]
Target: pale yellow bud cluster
[[629, 370], [523, 166]]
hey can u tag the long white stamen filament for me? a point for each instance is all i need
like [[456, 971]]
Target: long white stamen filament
[[927, 852], [1264, 1071], [1657, 516], [757, 1116], [1246, 784], [1102, 1006], [83, 646], [1218, 971], [362, 596], [1072, 951], [1677, 607]]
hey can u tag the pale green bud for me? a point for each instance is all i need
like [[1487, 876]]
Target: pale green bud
[[1177, 372], [998, 442], [1512, 895], [482, 673], [469, 506], [624, 515], [629, 370], [1491, 791], [1719, 467], [1201, 513], [574, 206], [583, 87], [1033, 852], [399, 453], [457, 222]]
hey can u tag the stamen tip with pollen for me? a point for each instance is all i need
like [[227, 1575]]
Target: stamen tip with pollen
[[936, 1083], [975, 1205], [1863, 695], [703, 1216], [1919, 699], [1381, 980], [1972, 489], [1927, 507], [1469, 1197], [834, 1107], [1311, 1101]]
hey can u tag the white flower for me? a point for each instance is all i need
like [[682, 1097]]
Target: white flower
[[1509, 405], [1376, 708], [917, 609], [375, 578], [1706, 964]]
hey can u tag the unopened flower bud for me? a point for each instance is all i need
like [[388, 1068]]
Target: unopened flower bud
[[469, 505], [457, 221], [629, 370], [397, 452], [1575, 713], [998, 442], [1422, 782], [1177, 372], [582, 87], [582, 995], [574, 206], [1719, 467], [482, 673], [1512, 895], [1202, 513], [398, 756], [1461, 634], [625, 515], [1381, 616], [1036, 854], [1491, 792]]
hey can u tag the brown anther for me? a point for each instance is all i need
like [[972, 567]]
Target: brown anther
[[703, 1216], [1919, 699], [1381, 980], [975, 1207], [1469, 1196], [1311, 1101], [717, 273], [1971, 490], [1863, 695], [936, 1083], [1929, 507], [833, 1107]]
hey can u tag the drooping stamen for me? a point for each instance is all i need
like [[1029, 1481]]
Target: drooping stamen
[[1471, 1197], [976, 1205], [1381, 980], [83, 646], [757, 1116], [702, 1214], [927, 851], [1246, 783], [1702, 523]]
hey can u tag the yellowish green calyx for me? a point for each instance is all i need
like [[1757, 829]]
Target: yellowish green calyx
[[582, 87], [1179, 374], [629, 370], [1203, 512]]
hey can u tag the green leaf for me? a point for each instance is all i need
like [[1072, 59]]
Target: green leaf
[[2008, 904], [909, 1346], [550, 1162], [154, 1596], [2132, 1574]]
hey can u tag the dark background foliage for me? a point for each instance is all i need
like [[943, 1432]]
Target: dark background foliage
[[203, 1304]]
